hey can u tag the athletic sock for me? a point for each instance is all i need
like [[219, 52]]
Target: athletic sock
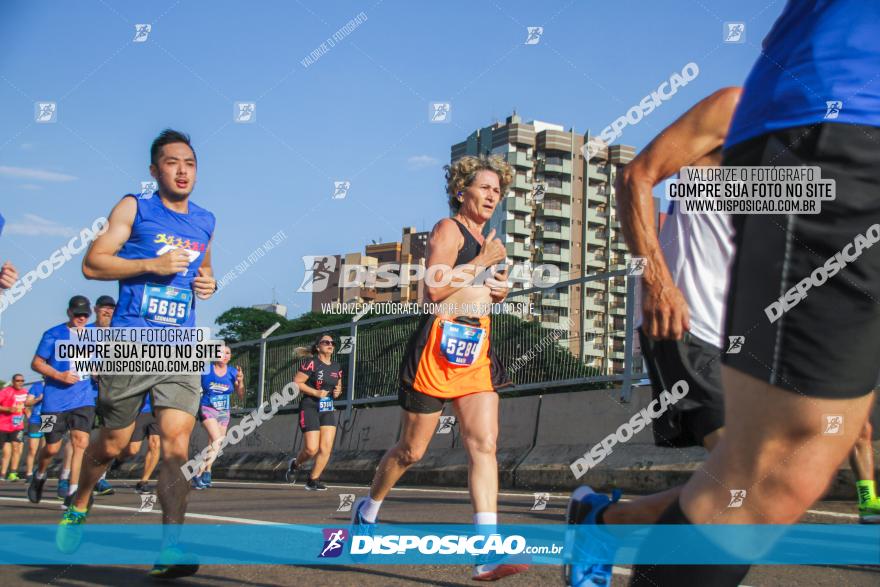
[[39, 475], [72, 489], [65, 475], [866, 490], [677, 575], [102, 477], [485, 519], [370, 510]]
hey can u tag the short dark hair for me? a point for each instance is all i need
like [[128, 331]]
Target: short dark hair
[[17, 375], [167, 137]]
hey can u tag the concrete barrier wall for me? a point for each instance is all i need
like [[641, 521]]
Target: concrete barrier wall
[[539, 437]]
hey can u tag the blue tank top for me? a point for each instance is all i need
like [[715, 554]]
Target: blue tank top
[[36, 390], [216, 389], [820, 63], [162, 300]]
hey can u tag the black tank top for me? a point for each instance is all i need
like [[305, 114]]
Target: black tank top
[[471, 246]]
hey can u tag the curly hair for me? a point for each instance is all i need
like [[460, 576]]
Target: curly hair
[[463, 172]]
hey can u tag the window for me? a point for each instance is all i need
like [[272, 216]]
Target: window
[[552, 248], [552, 226], [554, 160]]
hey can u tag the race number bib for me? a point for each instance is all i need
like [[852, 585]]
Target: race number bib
[[325, 404], [165, 304], [460, 343], [17, 420], [220, 402]]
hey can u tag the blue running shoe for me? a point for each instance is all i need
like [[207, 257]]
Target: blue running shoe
[[583, 508], [206, 478], [359, 526], [197, 483], [104, 488], [63, 487]]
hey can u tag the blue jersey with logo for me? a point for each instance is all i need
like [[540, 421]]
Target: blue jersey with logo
[[162, 300], [36, 391], [57, 395], [216, 389], [819, 64]]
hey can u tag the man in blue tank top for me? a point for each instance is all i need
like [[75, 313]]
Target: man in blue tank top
[[158, 247], [803, 287]]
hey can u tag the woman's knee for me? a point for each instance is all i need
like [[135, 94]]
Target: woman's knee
[[481, 444]]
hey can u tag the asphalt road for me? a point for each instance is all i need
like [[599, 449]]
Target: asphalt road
[[249, 503]]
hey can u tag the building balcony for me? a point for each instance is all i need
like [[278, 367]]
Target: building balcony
[[563, 233], [518, 204], [559, 190], [519, 159], [520, 183], [563, 256], [563, 167], [518, 250], [517, 227], [554, 210]]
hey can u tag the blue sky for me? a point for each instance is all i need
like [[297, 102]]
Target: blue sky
[[358, 113]]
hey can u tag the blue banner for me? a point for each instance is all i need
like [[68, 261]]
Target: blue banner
[[135, 544]]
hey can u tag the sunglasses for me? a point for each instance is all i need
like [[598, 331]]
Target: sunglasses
[[330, 342], [82, 315]]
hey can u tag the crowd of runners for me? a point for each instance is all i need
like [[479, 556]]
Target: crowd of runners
[[762, 413]]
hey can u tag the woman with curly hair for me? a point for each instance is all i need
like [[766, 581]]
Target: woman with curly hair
[[450, 356]]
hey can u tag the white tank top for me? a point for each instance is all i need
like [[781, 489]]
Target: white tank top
[[698, 249]]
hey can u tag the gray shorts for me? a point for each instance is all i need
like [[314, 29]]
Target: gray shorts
[[121, 397]]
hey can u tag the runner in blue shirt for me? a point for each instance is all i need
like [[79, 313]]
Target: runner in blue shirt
[[68, 397], [217, 386], [34, 434], [158, 247]]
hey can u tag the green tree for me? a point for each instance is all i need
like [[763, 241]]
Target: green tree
[[238, 324]]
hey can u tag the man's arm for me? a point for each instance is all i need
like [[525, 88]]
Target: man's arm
[[102, 263], [40, 365], [204, 285], [699, 132]]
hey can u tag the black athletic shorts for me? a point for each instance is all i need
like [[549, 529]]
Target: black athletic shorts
[[310, 419], [701, 412], [144, 425], [418, 402], [17, 436], [77, 419], [824, 343]]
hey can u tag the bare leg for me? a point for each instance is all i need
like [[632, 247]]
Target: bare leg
[[152, 459], [80, 442], [311, 443], [16, 455], [98, 455], [30, 459], [478, 416], [418, 429], [175, 427], [4, 462], [773, 447], [325, 447], [216, 432], [647, 509], [862, 457]]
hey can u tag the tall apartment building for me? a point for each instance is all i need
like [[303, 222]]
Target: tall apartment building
[[560, 210], [410, 250]]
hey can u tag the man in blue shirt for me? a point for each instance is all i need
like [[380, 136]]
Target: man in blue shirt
[[159, 250], [803, 288], [68, 399]]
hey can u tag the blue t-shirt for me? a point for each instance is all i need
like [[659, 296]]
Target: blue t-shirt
[[59, 396], [36, 391], [162, 300], [820, 63], [216, 389]]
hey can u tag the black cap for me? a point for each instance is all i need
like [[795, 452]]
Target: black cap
[[105, 301], [80, 305]]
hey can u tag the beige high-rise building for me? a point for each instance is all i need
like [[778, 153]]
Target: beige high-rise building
[[560, 210]]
